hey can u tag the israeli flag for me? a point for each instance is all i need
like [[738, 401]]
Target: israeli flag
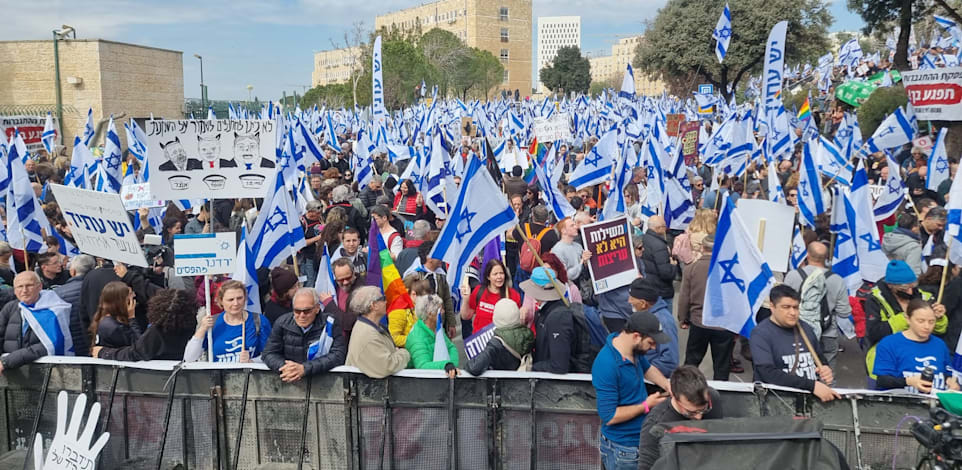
[[441, 353], [598, 164], [49, 318], [365, 155], [89, 127], [137, 145], [279, 233], [479, 215], [25, 216], [845, 254], [329, 135], [831, 162], [895, 191], [938, 165], [246, 272], [210, 113], [811, 203], [872, 260], [722, 33], [113, 157], [738, 277], [953, 226], [77, 173], [894, 131], [775, 193], [627, 85], [799, 250], [323, 344], [325, 276], [615, 205], [49, 136]]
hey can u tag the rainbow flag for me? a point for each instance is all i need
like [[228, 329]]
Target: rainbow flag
[[536, 154], [805, 112], [382, 273]]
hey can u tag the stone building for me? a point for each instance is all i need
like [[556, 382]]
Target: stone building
[[612, 68], [335, 66], [125, 80]]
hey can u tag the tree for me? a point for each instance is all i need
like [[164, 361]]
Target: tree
[[447, 53], [353, 46], [336, 95], [613, 82], [679, 39], [403, 68], [882, 15], [568, 72], [479, 71]]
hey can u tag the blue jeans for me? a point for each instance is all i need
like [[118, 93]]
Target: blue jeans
[[616, 456]]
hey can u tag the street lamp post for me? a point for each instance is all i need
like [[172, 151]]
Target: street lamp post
[[203, 96], [57, 35], [250, 88]]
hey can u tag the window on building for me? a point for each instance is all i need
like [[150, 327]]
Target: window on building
[[504, 77], [504, 34], [504, 55], [504, 13]]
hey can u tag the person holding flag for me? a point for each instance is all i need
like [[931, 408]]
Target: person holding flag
[[430, 348], [237, 335]]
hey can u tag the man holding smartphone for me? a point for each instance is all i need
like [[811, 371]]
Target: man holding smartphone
[[618, 375]]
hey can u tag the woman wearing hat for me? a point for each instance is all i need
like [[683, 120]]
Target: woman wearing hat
[[480, 301], [510, 343], [237, 335]]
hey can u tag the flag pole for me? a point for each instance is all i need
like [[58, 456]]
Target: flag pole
[[808, 344], [210, 333], [945, 271], [537, 257]]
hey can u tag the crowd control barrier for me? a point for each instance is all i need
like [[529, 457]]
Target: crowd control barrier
[[165, 415]]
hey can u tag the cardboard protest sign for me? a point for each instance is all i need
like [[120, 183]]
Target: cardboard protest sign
[[550, 130], [475, 343], [936, 95], [689, 141], [672, 123], [612, 264], [776, 236], [99, 224], [73, 446], [30, 127], [204, 253], [136, 196], [203, 159], [468, 128]]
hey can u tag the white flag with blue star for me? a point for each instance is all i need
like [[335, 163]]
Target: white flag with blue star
[[49, 318], [49, 136], [845, 253], [893, 194], [775, 193], [480, 214], [738, 277], [278, 231], [799, 250], [810, 200], [598, 164], [722, 33], [89, 127], [938, 165], [110, 168], [953, 226], [627, 85], [896, 130], [246, 272], [871, 259]]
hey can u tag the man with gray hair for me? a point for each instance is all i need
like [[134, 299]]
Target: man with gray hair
[[372, 349], [356, 217], [407, 256], [70, 292], [20, 343], [306, 341]]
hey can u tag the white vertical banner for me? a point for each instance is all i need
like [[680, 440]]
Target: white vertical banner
[[377, 103], [774, 73]]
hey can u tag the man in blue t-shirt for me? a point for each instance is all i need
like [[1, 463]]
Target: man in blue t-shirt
[[618, 375]]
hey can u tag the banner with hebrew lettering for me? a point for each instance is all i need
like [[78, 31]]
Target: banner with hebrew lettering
[[217, 158], [99, 224], [612, 264], [935, 94]]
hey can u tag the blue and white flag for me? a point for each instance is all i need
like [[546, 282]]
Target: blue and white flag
[[49, 318], [364, 150], [811, 203], [799, 250], [894, 193], [377, 82], [774, 72], [49, 136], [845, 254], [895, 131], [113, 157], [480, 214], [246, 272], [25, 217], [832, 162], [323, 344], [329, 135], [598, 164], [325, 283], [278, 231], [775, 193], [89, 127], [627, 85], [953, 226], [440, 346], [738, 277], [722, 33], [938, 165], [872, 261]]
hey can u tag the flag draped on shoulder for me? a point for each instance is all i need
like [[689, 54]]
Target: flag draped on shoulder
[[49, 319], [738, 277]]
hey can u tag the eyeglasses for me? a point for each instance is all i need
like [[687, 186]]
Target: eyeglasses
[[304, 311], [701, 412]]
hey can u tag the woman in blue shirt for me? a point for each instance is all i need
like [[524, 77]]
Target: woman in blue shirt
[[901, 357], [237, 335]]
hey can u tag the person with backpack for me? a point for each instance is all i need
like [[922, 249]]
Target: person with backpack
[[510, 348], [237, 335], [542, 236], [618, 375], [480, 301], [824, 298], [562, 339]]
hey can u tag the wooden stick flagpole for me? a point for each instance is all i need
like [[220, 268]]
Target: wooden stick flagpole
[[537, 257], [808, 344], [945, 271]]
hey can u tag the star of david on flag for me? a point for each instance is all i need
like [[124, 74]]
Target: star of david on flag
[[722, 33]]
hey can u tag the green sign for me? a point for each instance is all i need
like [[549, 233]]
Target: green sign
[[854, 92], [877, 78]]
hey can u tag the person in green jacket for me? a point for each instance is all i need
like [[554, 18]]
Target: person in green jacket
[[422, 338]]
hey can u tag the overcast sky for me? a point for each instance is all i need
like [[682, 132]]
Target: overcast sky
[[270, 45]]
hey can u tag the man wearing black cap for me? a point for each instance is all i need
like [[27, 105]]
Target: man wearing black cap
[[618, 375], [643, 297]]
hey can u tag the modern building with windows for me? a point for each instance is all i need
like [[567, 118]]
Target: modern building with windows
[[335, 66], [611, 68], [555, 32]]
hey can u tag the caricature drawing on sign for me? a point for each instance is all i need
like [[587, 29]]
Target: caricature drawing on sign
[[208, 147], [177, 159], [247, 148]]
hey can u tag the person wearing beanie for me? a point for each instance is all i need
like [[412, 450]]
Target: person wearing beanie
[[643, 297], [885, 309], [283, 285], [510, 343]]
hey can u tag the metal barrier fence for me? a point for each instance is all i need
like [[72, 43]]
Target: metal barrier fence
[[415, 420]]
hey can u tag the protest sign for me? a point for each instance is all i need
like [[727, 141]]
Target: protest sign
[[30, 127], [204, 159], [689, 141], [612, 264], [136, 196], [672, 123], [99, 224], [550, 130], [475, 343], [773, 223], [876, 190], [204, 253], [468, 128], [73, 446], [935, 94]]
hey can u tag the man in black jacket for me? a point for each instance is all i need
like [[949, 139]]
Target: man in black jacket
[[20, 344], [303, 343], [660, 266], [555, 334], [70, 292]]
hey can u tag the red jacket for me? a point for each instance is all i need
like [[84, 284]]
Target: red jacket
[[406, 204]]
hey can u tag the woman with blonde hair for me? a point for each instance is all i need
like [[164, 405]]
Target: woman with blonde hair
[[238, 335], [687, 246]]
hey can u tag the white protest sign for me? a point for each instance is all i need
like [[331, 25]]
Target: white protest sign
[[777, 236], [935, 94], [204, 253], [136, 196], [556, 128], [876, 190], [73, 446], [201, 159], [99, 224]]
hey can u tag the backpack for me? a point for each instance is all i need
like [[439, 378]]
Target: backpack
[[858, 306], [584, 350], [528, 261], [814, 307]]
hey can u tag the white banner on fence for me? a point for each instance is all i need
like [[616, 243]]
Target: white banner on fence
[[136, 196], [203, 159], [204, 253], [550, 130], [99, 224], [30, 127], [935, 94]]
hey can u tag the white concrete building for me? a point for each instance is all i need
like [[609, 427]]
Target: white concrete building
[[555, 32]]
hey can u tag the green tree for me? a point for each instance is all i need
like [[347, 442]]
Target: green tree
[[479, 71], [881, 103], [403, 68], [447, 54], [337, 95], [568, 72], [882, 15], [679, 40]]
